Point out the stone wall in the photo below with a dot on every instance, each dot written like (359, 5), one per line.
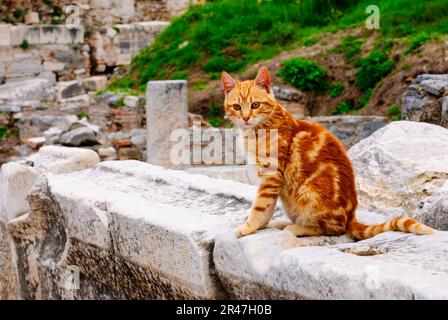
(115, 45)
(131, 230)
(54, 52)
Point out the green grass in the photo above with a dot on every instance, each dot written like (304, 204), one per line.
(417, 41)
(232, 34)
(343, 108)
(6, 132)
(304, 74)
(394, 112)
(225, 35)
(350, 46)
(82, 115)
(215, 116)
(24, 45)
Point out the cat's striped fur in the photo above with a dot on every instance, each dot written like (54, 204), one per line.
(314, 176)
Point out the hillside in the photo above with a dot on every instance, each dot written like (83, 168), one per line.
(363, 71)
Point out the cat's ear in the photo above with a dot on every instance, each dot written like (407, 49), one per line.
(263, 79)
(227, 82)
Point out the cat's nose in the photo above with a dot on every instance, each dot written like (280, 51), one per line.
(246, 119)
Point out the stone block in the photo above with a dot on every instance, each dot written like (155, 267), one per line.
(19, 177)
(166, 110)
(150, 227)
(32, 18)
(274, 264)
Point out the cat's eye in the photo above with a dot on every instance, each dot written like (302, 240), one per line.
(255, 105)
(236, 106)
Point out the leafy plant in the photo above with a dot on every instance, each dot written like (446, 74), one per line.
(365, 98)
(82, 115)
(199, 87)
(24, 44)
(371, 69)
(120, 103)
(55, 21)
(394, 112)
(336, 90)
(18, 13)
(6, 132)
(56, 11)
(343, 107)
(8, 19)
(304, 74)
(215, 116)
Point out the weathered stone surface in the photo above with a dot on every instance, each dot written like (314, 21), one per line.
(35, 89)
(35, 142)
(240, 173)
(95, 83)
(435, 87)
(132, 229)
(166, 110)
(36, 125)
(112, 46)
(81, 136)
(19, 177)
(274, 264)
(132, 101)
(52, 135)
(108, 153)
(287, 94)
(75, 105)
(351, 129)
(32, 17)
(422, 101)
(400, 165)
(68, 89)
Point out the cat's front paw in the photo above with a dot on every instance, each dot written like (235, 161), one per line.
(244, 230)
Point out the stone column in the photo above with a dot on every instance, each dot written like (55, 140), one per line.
(166, 110)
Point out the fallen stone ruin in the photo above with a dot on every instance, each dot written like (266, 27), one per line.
(130, 229)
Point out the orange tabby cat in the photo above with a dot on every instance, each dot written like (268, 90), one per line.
(313, 177)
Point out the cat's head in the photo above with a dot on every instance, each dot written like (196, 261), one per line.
(248, 103)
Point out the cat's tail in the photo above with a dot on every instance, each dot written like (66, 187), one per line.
(360, 231)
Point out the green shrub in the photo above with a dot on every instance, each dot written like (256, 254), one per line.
(304, 74)
(120, 103)
(6, 132)
(365, 98)
(56, 11)
(343, 107)
(18, 13)
(25, 44)
(55, 21)
(215, 116)
(336, 89)
(82, 115)
(371, 69)
(199, 87)
(8, 19)
(394, 112)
